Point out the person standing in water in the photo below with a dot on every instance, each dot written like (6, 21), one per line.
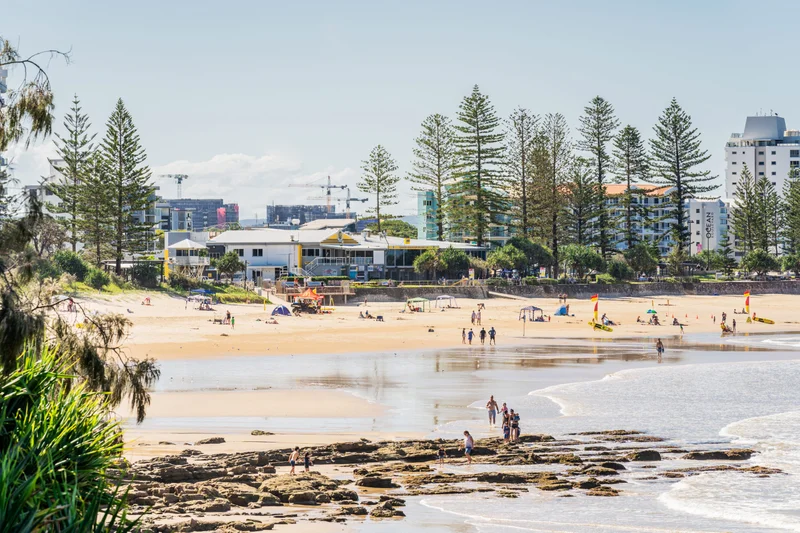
(470, 335)
(492, 334)
(659, 348)
(482, 335)
(492, 408)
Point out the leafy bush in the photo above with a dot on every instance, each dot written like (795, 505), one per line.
(47, 269)
(497, 282)
(606, 279)
(619, 269)
(96, 278)
(71, 263)
(145, 275)
(760, 262)
(530, 280)
(181, 282)
(548, 281)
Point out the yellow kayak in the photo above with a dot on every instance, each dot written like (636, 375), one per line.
(597, 325)
(764, 320)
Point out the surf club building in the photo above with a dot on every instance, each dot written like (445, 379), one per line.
(272, 253)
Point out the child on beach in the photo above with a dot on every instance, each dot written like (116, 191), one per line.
(463, 335)
(293, 457)
(469, 443)
(442, 455)
(233, 322)
(506, 431)
(307, 462)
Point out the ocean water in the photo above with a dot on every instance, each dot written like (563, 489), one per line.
(753, 404)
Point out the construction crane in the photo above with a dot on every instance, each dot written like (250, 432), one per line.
(327, 188)
(346, 200)
(178, 179)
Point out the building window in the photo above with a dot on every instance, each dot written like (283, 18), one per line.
(773, 152)
(760, 173)
(696, 210)
(733, 173)
(774, 173)
(773, 163)
(258, 252)
(239, 251)
(761, 163)
(761, 152)
(697, 233)
(794, 163)
(733, 162)
(734, 152)
(733, 183)
(794, 153)
(774, 183)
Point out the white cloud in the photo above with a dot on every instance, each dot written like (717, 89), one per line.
(250, 181)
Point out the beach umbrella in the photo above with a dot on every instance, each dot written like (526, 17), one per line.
(652, 312)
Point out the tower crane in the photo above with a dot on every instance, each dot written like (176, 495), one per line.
(178, 179)
(327, 188)
(346, 200)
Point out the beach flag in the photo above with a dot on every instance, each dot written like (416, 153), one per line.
(747, 302)
(595, 299)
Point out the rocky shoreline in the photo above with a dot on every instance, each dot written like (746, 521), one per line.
(193, 491)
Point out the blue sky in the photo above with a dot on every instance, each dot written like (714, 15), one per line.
(249, 96)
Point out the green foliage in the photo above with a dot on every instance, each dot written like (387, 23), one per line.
(791, 210)
(428, 262)
(629, 161)
(46, 268)
(508, 257)
(75, 149)
(145, 275)
(497, 282)
(585, 199)
(640, 258)
(597, 130)
(97, 278)
(581, 259)
(480, 266)
(434, 163)
(127, 179)
(675, 260)
(791, 262)
(727, 262)
(182, 283)
(57, 448)
(456, 262)
(606, 279)
(478, 187)
(395, 228)
(709, 260)
(71, 263)
(760, 262)
(537, 255)
(520, 139)
(619, 269)
(229, 264)
(379, 179)
(675, 154)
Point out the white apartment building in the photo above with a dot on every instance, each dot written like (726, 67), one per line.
(708, 222)
(767, 148)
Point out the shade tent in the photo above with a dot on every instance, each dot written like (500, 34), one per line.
(310, 294)
(418, 304)
(529, 313)
(446, 300)
(562, 311)
(281, 310)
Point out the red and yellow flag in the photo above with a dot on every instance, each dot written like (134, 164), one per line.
(747, 302)
(595, 299)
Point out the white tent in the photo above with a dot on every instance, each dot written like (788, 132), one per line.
(445, 300)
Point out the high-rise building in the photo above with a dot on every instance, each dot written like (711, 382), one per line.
(766, 147)
(282, 215)
(207, 212)
(426, 210)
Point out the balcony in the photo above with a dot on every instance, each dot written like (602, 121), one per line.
(192, 260)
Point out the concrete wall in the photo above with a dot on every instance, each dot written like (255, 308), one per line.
(401, 294)
(654, 289)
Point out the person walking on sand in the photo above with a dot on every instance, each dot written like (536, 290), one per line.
(463, 335)
(293, 458)
(482, 335)
(478, 317)
(233, 322)
(492, 408)
(473, 318)
(227, 317)
(441, 455)
(492, 334)
(307, 462)
(733, 323)
(469, 443)
(470, 335)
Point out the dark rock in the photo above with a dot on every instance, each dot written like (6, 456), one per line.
(611, 465)
(726, 455)
(603, 491)
(352, 511)
(261, 433)
(598, 471)
(500, 477)
(376, 482)
(305, 497)
(644, 455)
(590, 483)
(211, 440)
(343, 494)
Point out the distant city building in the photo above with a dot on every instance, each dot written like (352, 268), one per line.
(282, 215)
(426, 211)
(767, 148)
(708, 223)
(206, 212)
(3, 81)
(498, 233)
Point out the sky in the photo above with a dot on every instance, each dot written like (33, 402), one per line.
(247, 97)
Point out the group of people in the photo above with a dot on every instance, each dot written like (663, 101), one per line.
(294, 458)
(229, 319)
(467, 336)
(509, 419)
(724, 325)
(476, 317)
